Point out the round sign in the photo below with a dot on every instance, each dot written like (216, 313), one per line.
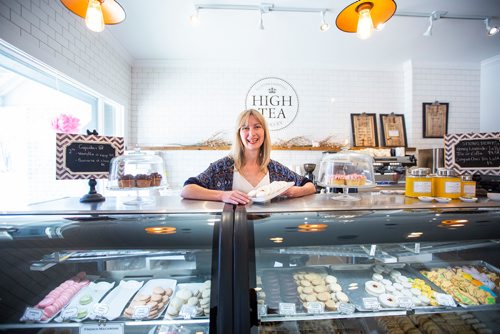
(276, 100)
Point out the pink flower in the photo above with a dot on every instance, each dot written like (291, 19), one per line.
(66, 124)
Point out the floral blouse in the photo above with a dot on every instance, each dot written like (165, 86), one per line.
(219, 175)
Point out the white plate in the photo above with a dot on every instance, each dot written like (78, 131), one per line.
(95, 290)
(426, 199)
(494, 196)
(468, 199)
(163, 283)
(115, 301)
(272, 195)
(442, 199)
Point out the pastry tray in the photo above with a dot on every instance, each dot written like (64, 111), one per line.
(445, 264)
(191, 286)
(360, 273)
(273, 194)
(116, 300)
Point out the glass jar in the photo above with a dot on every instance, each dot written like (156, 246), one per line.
(468, 186)
(418, 183)
(447, 184)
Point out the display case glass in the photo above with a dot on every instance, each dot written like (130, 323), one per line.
(68, 267)
(386, 264)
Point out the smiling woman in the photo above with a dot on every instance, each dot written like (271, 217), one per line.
(248, 167)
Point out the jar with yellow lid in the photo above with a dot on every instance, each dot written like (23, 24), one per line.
(447, 184)
(418, 183)
(468, 186)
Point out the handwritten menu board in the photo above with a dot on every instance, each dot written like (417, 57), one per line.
(473, 153)
(85, 156)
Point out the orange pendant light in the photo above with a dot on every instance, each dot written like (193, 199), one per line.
(362, 16)
(96, 13)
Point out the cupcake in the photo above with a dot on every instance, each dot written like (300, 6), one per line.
(155, 179)
(126, 181)
(355, 180)
(142, 180)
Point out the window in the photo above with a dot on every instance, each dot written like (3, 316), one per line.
(31, 97)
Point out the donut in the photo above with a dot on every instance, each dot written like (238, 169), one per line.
(394, 274)
(386, 282)
(374, 288)
(398, 286)
(406, 285)
(389, 288)
(387, 300)
(377, 277)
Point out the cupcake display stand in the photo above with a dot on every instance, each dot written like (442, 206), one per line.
(346, 170)
(137, 172)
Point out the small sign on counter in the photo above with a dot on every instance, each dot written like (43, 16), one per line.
(473, 153)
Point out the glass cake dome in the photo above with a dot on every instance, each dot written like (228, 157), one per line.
(346, 169)
(136, 170)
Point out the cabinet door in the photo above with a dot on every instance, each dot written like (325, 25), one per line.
(322, 270)
(140, 273)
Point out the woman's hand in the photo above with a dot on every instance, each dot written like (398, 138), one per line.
(235, 197)
(295, 191)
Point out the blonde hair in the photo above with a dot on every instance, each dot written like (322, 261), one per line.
(238, 149)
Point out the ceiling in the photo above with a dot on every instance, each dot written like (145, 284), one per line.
(160, 30)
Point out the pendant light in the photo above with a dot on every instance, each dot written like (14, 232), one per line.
(362, 16)
(96, 13)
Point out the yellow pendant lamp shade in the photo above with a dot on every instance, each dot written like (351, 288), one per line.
(380, 12)
(112, 12)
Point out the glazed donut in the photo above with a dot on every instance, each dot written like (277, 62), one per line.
(374, 288)
(387, 300)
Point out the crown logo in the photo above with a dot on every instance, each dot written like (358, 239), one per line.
(272, 90)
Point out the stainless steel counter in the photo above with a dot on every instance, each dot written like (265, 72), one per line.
(175, 204)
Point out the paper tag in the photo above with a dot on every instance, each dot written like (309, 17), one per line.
(69, 313)
(373, 248)
(346, 308)
(445, 300)
(417, 248)
(371, 303)
(405, 302)
(287, 309)
(188, 312)
(262, 309)
(100, 310)
(141, 312)
(393, 133)
(315, 307)
(32, 314)
(108, 328)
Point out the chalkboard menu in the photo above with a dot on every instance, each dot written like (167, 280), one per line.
(85, 156)
(473, 153)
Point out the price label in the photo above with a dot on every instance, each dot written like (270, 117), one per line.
(405, 302)
(417, 248)
(69, 313)
(188, 312)
(346, 308)
(287, 309)
(371, 303)
(32, 314)
(100, 310)
(140, 312)
(107, 328)
(373, 249)
(315, 307)
(262, 310)
(445, 300)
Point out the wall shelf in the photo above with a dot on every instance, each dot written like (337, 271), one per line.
(275, 148)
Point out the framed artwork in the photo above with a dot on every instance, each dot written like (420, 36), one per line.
(435, 119)
(393, 130)
(364, 130)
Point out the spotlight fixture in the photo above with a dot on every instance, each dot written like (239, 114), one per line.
(96, 13)
(195, 18)
(323, 26)
(362, 16)
(428, 32)
(491, 31)
(261, 20)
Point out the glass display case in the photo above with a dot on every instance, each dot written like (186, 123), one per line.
(69, 267)
(387, 264)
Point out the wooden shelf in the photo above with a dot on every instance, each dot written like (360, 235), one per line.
(226, 148)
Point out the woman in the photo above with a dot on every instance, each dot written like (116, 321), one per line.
(248, 167)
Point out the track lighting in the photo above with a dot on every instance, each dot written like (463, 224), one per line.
(96, 13)
(323, 26)
(432, 18)
(491, 31)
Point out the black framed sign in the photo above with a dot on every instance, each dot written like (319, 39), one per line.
(435, 119)
(364, 130)
(393, 130)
